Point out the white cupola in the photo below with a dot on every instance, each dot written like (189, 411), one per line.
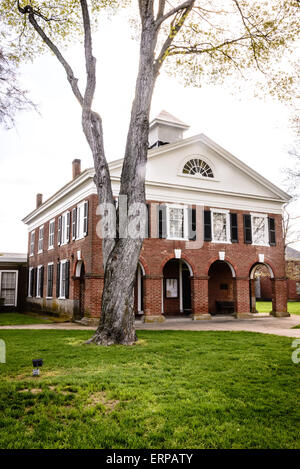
(164, 129)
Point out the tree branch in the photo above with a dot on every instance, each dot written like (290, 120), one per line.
(175, 27)
(70, 75)
(172, 12)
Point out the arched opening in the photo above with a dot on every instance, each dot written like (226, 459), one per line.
(177, 288)
(79, 291)
(261, 287)
(139, 291)
(221, 295)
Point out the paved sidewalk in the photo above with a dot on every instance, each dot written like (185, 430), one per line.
(259, 323)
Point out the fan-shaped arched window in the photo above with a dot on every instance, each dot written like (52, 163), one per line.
(198, 167)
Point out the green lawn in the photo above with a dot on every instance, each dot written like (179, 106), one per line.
(266, 307)
(174, 389)
(13, 319)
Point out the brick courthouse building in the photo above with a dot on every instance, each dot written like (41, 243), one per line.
(193, 182)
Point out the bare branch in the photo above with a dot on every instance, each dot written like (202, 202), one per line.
(70, 75)
(172, 12)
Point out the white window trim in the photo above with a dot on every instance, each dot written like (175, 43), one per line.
(227, 212)
(52, 246)
(31, 253)
(185, 221)
(81, 206)
(38, 281)
(266, 240)
(60, 279)
(16, 289)
(49, 297)
(29, 277)
(41, 239)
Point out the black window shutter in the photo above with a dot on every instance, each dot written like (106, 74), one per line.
(147, 229)
(207, 225)
(162, 221)
(58, 280)
(41, 279)
(247, 229)
(192, 224)
(272, 231)
(68, 226)
(85, 218)
(234, 228)
(59, 231)
(74, 223)
(31, 282)
(67, 277)
(34, 281)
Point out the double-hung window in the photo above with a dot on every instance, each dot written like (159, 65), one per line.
(63, 280)
(50, 280)
(40, 281)
(41, 239)
(51, 234)
(177, 222)
(259, 223)
(82, 220)
(32, 241)
(9, 287)
(220, 226)
(64, 228)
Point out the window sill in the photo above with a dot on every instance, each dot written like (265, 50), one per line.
(176, 239)
(50, 248)
(261, 245)
(40, 252)
(220, 242)
(49, 297)
(61, 298)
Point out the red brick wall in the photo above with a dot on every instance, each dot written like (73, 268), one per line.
(154, 255)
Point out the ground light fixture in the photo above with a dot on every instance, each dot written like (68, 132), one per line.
(37, 363)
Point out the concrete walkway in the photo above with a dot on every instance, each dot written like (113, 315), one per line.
(259, 323)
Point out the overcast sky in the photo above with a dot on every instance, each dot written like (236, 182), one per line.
(36, 156)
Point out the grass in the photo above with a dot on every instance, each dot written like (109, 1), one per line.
(266, 307)
(13, 319)
(174, 389)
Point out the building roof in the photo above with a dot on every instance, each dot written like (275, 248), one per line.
(165, 117)
(292, 254)
(13, 257)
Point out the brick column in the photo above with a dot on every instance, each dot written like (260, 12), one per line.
(279, 297)
(253, 296)
(199, 287)
(153, 299)
(241, 287)
(92, 298)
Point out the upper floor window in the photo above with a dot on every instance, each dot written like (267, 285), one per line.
(177, 227)
(41, 239)
(198, 167)
(220, 226)
(81, 220)
(51, 234)
(64, 228)
(32, 240)
(259, 229)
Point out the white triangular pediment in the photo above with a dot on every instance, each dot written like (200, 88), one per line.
(231, 176)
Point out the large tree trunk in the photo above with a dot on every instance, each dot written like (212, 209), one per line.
(117, 310)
